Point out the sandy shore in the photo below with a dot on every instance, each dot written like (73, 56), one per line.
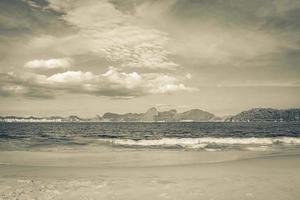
(148, 174)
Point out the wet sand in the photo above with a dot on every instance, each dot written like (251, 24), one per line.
(112, 173)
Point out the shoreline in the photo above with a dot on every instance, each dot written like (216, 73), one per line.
(154, 174)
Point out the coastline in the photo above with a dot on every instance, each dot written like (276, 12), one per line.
(113, 173)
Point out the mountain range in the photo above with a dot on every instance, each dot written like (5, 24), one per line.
(153, 115)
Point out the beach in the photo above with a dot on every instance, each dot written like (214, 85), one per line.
(149, 100)
(133, 173)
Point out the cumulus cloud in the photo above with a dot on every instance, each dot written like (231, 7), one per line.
(129, 80)
(71, 77)
(12, 84)
(162, 84)
(112, 83)
(49, 64)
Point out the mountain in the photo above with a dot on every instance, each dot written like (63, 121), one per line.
(153, 115)
(112, 117)
(196, 115)
(150, 115)
(73, 118)
(165, 116)
(128, 117)
(97, 118)
(131, 117)
(266, 114)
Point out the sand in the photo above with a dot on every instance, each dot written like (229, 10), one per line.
(116, 173)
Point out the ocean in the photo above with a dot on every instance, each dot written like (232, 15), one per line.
(186, 160)
(199, 136)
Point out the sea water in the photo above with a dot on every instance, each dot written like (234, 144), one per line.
(208, 136)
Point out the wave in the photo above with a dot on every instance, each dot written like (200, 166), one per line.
(207, 143)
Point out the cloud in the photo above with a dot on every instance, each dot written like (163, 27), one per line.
(111, 34)
(71, 77)
(210, 33)
(31, 3)
(226, 33)
(232, 84)
(12, 85)
(49, 64)
(129, 80)
(164, 84)
(112, 83)
(188, 76)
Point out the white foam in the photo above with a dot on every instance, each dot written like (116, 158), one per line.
(203, 142)
(258, 148)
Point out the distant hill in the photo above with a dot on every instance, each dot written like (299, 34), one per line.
(153, 115)
(150, 115)
(167, 116)
(131, 117)
(266, 114)
(197, 115)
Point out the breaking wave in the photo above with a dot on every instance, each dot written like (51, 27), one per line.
(207, 143)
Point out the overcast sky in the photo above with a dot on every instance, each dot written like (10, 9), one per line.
(63, 57)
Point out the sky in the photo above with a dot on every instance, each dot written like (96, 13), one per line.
(85, 58)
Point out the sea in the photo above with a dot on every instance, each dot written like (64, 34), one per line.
(193, 136)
